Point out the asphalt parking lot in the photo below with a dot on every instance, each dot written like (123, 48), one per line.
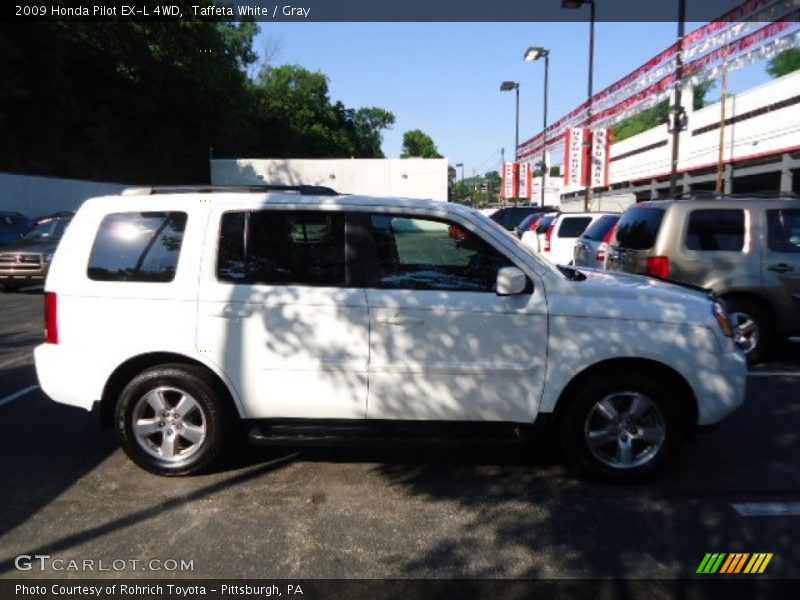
(68, 491)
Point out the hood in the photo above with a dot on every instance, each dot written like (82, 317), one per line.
(32, 246)
(607, 294)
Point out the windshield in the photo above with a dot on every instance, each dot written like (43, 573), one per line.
(50, 229)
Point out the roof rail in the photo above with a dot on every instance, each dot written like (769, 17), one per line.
(306, 190)
(712, 195)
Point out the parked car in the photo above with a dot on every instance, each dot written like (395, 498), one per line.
(511, 216)
(13, 226)
(26, 261)
(534, 236)
(558, 242)
(307, 317)
(591, 249)
(526, 224)
(745, 250)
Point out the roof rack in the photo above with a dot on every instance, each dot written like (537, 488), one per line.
(712, 195)
(306, 190)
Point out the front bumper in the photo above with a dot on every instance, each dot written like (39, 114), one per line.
(720, 383)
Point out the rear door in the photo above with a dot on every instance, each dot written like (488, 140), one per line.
(781, 265)
(443, 344)
(278, 315)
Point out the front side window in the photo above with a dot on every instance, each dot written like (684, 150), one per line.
(427, 254)
(282, 247)
(783, 230)
(716, 230)
(137, 246)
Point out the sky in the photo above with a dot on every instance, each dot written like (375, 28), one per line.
(444, 78)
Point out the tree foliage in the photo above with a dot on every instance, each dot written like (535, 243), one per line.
(784, 62)
(146, 102)
(419, 144)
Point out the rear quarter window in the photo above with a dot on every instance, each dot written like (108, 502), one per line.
(573, 227)
(638, 228)
(137, 247)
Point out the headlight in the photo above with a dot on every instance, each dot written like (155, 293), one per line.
(721, 315)
(48, 257)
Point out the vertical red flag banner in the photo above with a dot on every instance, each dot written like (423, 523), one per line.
(601, 142)
(525, 173)
(510, 181)
(574, 159)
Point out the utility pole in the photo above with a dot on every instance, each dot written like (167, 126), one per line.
(677, 110)
(722, 116)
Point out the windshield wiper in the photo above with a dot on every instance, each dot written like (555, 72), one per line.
(571, 273)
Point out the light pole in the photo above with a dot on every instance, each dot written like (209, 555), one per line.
(507, 86)
(535, 53)
(678, 114)
(461, 164)
(578, 4)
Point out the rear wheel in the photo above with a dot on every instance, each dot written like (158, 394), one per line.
(171, 421)
(752, 328)
(623, 427)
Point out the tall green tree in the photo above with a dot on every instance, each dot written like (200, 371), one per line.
(416, 143)
(784, 62)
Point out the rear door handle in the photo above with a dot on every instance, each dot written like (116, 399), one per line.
(398, 320)
(781, 268)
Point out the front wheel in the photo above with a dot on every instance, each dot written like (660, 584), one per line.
(171, 421)
(623, 428)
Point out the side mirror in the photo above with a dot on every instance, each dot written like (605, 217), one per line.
(510, 281)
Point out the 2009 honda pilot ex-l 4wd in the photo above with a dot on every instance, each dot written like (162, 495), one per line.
(180, 317)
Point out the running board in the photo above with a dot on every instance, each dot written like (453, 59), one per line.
(332, 433)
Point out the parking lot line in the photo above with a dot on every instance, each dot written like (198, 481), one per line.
(14, 360)
(767, 509)
(18, 394)
(774, 374)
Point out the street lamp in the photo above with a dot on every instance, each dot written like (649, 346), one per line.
(531, 54)
(507, 86)
(461, 164)
(578, 4)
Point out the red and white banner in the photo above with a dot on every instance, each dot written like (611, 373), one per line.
(510, 184)
(573, 157)
(536, 190)
(741, 36)
(598, 171)
(525, 174)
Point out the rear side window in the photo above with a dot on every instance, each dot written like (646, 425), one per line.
(428, 254)
(716, 230)
(638, 228)
(544, 223)
(137, 246)
(282, 247)
(573, 227)
(783, 230)
(598, 230)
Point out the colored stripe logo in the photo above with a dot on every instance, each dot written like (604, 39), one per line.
(734, 563)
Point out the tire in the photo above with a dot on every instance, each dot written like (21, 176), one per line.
(187, 431)
(625, 448)
(752, 327)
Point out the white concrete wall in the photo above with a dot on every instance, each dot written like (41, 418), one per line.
(765, 134)
(401, 177)
(35, 196)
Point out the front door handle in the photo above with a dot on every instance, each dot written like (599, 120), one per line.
(781, 268)
(398, 320)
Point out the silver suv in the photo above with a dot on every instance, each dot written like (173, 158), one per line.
(746, 250)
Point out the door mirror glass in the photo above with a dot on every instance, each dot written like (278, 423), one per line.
(510, 281)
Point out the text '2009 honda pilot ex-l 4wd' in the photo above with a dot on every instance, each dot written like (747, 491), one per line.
(309, 316)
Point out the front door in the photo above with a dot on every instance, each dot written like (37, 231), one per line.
(443, 344)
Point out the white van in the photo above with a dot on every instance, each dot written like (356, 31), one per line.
(558, 245)
(180, 315)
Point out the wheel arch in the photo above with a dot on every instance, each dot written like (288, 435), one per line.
(129, 369)
(659, 370)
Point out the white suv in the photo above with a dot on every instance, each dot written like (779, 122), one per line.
(308, 317)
